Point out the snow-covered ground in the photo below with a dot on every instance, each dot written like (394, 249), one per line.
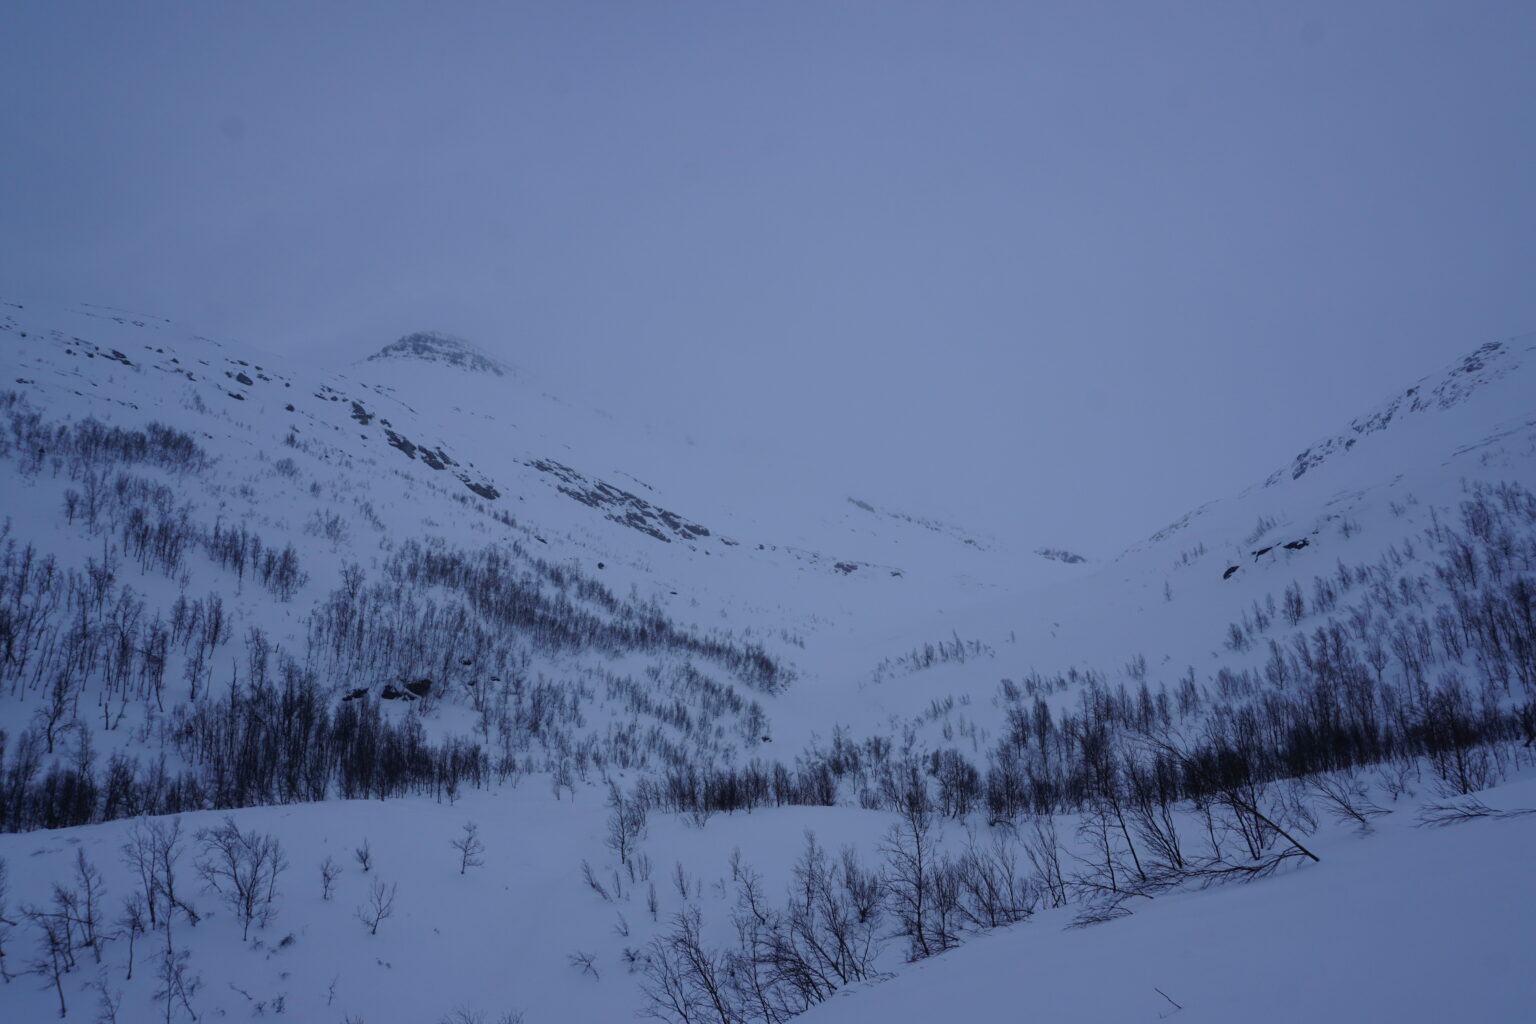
(1408, 924)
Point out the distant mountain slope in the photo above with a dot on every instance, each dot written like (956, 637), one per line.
(1466, 382)
(415, 472)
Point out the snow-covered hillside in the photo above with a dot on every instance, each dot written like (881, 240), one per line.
(367, 605)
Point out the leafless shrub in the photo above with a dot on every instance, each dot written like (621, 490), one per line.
(132, 923)
(1222, 872)
(585, 962)
(177, 982)
(1396, 776)
(993, 888)
(912, 874)
(1460, 812)
(54, 957)
(595, 884)
(1260, 528)
(680, 880)
(243, 868)
(626, 825)
(1347, 798)
(684, 982)
(1102, 912)
(152, 851)
(1043, 849)
(470, 847)
(329, 872)
(380, 905)
(108, 999)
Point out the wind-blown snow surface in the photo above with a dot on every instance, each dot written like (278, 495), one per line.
(885, 622)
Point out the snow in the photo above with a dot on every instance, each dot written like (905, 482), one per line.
(1407, 924)
(497, 938)
(1404, 924)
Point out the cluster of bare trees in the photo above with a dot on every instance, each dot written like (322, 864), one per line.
(239, 866)
(36, 444)
(84, 645)
(1356, 690)
(63, 630)
(69, 924)
(1130, 844)
(155, 529)
(1377, 683)
(1464, 603)
(501, 603)
(930, 654)
(242, 867)
(240, 549)
(833, 925)
(785, 959)
(281, 743)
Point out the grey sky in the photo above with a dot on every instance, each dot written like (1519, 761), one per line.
(1058, 269)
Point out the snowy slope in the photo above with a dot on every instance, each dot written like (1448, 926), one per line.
(1405, 925)
(415, 445)
(1350, 497)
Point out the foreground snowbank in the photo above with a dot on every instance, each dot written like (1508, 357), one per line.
(1408, 924)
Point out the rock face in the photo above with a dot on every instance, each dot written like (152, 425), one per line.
(620, 505)
(435, 347)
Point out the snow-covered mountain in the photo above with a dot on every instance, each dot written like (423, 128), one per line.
(231, 584)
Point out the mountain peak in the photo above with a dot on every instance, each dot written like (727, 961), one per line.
(437, 347)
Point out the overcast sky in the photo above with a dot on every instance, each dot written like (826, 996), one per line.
(1064, 270)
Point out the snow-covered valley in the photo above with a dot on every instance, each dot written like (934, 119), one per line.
(365, 607)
